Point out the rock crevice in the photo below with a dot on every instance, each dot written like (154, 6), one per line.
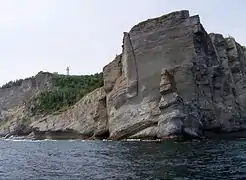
(188, 81)
(172, 80)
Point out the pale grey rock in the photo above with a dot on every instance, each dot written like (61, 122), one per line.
(111, 73)
(144, 95)
(148, 133)
(171, 66)
(228, 109)
(86, 119)
(14, 122)
(172, 79)
(167, 84)
(168, 100)
(21, 94)
(171, 124)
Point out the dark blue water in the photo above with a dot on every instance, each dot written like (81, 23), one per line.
(122, 160)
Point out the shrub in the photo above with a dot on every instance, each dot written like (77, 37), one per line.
(67, 91)
(12, 84)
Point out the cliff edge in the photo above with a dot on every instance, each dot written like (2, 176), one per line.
(175, 80)
(172, 80)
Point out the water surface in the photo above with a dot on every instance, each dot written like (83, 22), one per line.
(65, 160)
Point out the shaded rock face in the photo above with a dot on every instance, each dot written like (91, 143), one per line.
(175, 80)
(20, 94)
(13, 119)
(111, 73)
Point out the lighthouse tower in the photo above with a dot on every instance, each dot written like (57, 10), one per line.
(67, 71)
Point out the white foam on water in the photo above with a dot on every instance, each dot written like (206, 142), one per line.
(132, 140)
(22, 139)
(72, 140)
(144, 140)
(156, 140)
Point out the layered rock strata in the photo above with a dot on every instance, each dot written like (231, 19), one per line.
(172, 80)
(176, 80)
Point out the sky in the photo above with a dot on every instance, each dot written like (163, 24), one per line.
(49, 35)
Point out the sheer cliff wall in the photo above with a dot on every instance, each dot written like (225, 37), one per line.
(175, 80)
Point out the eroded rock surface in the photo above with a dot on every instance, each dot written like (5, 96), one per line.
(86, 119)
(172, 80)
(20, 94)
(176, 81)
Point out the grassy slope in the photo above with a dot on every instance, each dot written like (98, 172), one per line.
(66, 92)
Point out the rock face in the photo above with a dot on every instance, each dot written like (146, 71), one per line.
(86, 119)
(172, 80)
(20, 94)
(175, 81)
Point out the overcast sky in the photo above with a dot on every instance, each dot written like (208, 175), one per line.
(49, 35)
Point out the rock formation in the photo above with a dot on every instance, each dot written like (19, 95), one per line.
(176, 80)
(172, 80)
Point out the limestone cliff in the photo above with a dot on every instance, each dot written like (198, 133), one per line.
(86, 119)
(44, 106)
(21, 92)
(172, 80)
(175, 81)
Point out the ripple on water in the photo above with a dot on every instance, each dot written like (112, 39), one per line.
(76, 159)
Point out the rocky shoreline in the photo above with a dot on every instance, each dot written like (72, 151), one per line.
(172, 80)
(67, 136)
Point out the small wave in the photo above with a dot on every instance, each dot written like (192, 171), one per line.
(144, 140)
(23, 139)
(48, 140)
(132, 140)
(151, 140)
(72, 140)
(86, 140)
(20, 140)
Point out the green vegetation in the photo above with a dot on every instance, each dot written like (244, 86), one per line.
(66, 92)
(12, 83)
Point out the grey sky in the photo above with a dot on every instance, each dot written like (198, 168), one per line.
(85, 35)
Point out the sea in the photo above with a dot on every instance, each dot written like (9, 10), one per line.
(126, 160)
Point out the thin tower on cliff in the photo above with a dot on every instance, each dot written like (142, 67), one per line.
(67, 71)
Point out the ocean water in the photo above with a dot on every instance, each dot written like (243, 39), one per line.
(64, 160)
